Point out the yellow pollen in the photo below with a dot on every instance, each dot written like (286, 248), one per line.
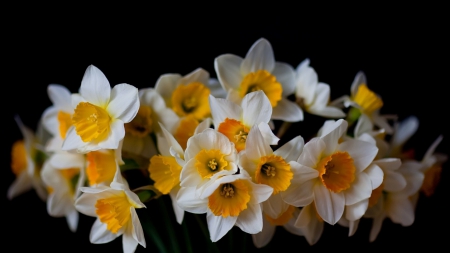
(101, 166)
(367, 99)
(186, 129)
(265, 81)
(337, 171)
(235, 131)
(230, 199)
(18, 157)
(141, 125)
(210, 162)
(92, 123)
(191, 99)
(283, 218)
(65, 122)
(114, 211)
(227, 191)
(274, 171)
(165, 172)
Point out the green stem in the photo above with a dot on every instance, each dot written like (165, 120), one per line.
(170, 225)
(151, 231)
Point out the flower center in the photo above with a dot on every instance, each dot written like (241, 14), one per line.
(209, 162)
(367, 99)
(235, 131)
(18, 157)
(65, 122)
(141, 125)
(230, 199)
(114, 212)
(185, 130)
(337, 171)
(91, 122)
(274, 171)
(101, 166)
(262, 80)
(283, 218)
(165, 172)
(191, 99)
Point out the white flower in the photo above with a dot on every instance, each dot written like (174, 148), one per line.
(235, 121)
(259, 71)
(100, 113)
(227, 200)
(114, 207)
(334, 174)
(312, 95)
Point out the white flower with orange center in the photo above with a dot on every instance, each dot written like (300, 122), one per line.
(207, 153)
(314, 96)
(235, 121)
(188, 95)
(138, 131)
(259, 71)
(275, 169)
(227, 200)
(333, 174)
(115, 209)
(63, 174)
(26, 164)
(100, 113)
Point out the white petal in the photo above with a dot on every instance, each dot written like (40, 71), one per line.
(285, 75)
(256, 108)
(256, 145)
(179, 212)
(260, 193)
(116, 134)
(305, 216)
(172, 142)
(137, 232)
(85, 204)
(300, 192)
(50, 120)
(262, 238)
(360, 189)
(129, 244)
(198, 75)
(382, 122)
(400, 209)
(58, 204)
(328, 112)
(329, 205)
(95, 88)
(189, 176)
(267, 133)
(72, 141)
(76, 98)
(228, 71)
(20, 185)
(205, 124)
(404, 131)
(353, 226)
(222, 109)
(394, 181)
(259, 57)
(375, 174)
(216, 88)
(166, 84)
(60, 97)
(361, 152)
(219, 226)
(67, 160)
(250, 220)
(331, 134)
(100, 234)
(360, 78)
(322, 96)
(72, 220)
(311, 227)
(124, 102)
(432, 148)
(311, 152)
(287, 110)
(376, 227)
(275, 206)
(356, 211)
(291, 150)
(187, 199)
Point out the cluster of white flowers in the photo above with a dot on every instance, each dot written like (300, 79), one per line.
(212, 146)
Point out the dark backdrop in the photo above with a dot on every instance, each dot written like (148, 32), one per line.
(405, 61)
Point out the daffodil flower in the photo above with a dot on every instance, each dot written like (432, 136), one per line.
(100, 113)
(259, 71)
(273, 168)
(63, 174)
(334, 174)
(227, 200)
(432, 167)
(26, 163)
(188, 95)
(314, 96)
(235, 121)
(115, 209)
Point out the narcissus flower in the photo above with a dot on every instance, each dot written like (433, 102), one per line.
(259, 71)
(227, 200)
(432, 168)
(100, 113)
(115, 209)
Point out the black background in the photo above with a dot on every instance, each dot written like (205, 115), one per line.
(405, 59)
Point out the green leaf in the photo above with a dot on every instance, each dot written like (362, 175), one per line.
(129, 164)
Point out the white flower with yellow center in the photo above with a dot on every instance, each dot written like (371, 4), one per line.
(312, 95)
(339, 172)
(227, 200)
(100, 113)
(115, 209)
(259, 71)
(207, 153)
(63, 174)
(188, 95)
(275, 169)
(26, 164)
(138, 131)
(235, 121)
(286, 220)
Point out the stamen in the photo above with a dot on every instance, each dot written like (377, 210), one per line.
(235, 131)
(209, 162)
(265, 81)
(212, 164)
(227, 191)
(191, 99)
(189, 104)
(241, 137)
(268, 170)
(337, 171)
(141, 125)
(275, 172)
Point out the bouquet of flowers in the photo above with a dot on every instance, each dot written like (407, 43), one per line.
(224, 147)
